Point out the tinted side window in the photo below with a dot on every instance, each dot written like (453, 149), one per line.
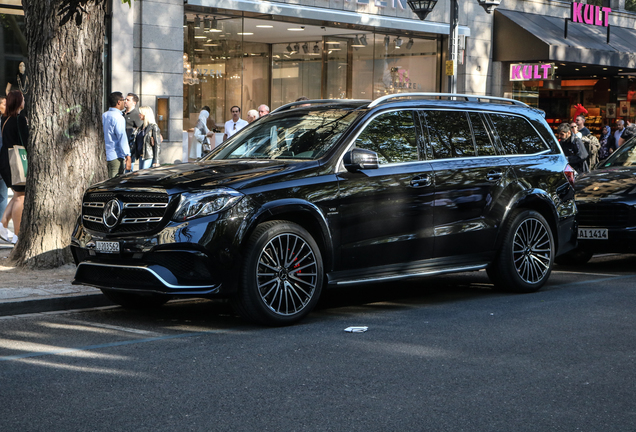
(448, 133)
(392, 136)
(517, 135)
(483, 143)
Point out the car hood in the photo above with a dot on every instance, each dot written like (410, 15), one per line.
(202, 174)
(607, 184)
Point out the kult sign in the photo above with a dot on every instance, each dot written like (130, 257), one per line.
(590, 14)
(530, 71)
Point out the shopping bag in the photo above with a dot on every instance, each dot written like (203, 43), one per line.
(18, 165)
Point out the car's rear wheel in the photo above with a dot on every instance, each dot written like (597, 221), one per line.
(526, 255)
(136, 301)
(282, 274)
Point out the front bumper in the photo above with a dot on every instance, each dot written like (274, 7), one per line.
(194, 258)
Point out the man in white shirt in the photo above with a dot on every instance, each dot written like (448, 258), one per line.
(234, 125)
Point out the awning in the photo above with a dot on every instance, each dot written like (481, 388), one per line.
(525, 37)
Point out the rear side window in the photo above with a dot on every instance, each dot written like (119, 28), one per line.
(483, 142)
(448, 133)
(392, 136)
(516, 134)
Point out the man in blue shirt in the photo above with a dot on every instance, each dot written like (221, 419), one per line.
(117, 149)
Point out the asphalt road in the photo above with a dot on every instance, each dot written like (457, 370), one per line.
(443, 354)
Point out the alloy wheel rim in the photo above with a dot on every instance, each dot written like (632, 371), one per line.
(287, 274)
(532, 251)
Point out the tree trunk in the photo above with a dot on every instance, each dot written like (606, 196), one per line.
(66, 145)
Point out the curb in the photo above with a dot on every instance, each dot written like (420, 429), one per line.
(51, 304)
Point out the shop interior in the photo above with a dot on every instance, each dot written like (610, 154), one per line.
(607, 93)
(252, 61)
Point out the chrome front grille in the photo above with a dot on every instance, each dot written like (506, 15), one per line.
(138, 212)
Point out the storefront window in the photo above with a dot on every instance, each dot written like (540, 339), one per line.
(404, 65)
(14, 52)
(235, 61)
(295, 72)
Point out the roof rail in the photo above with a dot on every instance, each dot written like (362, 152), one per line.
(318, 101)
(469, 98)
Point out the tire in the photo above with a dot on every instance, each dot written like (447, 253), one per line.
(577, 256)
(525, 257)
(136, 301)
(282, 275)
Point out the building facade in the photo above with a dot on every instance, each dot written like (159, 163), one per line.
(180, 56)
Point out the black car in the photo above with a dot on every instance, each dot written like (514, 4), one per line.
(334, 193)
(606, 201)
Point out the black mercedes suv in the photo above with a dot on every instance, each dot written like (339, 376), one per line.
(330, 193)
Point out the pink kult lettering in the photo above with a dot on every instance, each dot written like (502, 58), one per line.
(606, 12)
(588, 14)
(527, 72)
(516, 72)
(546, 68)
(577, 8)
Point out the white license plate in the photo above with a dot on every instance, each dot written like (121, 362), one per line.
(593, 233)
(107, 247)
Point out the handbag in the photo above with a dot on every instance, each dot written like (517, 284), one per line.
(18, 163)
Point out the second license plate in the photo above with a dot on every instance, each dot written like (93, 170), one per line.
(593, 233)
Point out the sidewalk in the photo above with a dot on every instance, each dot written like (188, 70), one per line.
(34, 291)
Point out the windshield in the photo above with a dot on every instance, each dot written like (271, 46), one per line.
(303, 135)
(624, 156)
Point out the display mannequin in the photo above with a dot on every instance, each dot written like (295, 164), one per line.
(22, 79)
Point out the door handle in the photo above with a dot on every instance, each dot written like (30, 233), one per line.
(423, 180)
(494, 176)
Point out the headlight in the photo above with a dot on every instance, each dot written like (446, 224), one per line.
(199, 204)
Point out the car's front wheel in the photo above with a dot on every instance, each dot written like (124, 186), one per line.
(282, 274)
(526, 255)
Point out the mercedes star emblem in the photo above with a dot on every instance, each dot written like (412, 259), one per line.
(112, 212)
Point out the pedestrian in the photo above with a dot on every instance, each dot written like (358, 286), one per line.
(4, 191)
(300, 99)
(620, 127)
(15, 132)
(235, 124)
(575, 130)
(263, 110)
(201, 131)
(133, 124)
(628, 133)
(580, 122)
(149, 137)
(117, 147)
(252, 115)
(608, 143)
(573, 148)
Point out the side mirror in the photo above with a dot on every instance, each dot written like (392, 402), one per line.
(360, 159)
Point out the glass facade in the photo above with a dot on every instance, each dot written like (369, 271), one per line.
(13, 51)
(235, 61)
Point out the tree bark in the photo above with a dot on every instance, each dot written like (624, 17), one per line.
(66, 145)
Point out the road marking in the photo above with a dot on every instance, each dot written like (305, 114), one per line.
(110, 345)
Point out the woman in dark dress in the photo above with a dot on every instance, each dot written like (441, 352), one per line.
(15, 131)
